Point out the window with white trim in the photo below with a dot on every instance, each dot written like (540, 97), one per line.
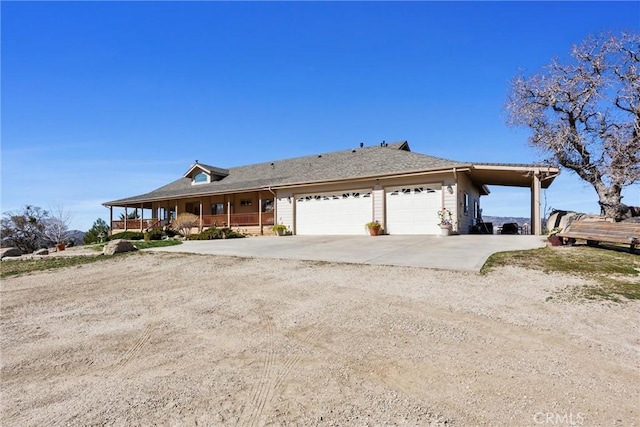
(466, 204)
(200, 178)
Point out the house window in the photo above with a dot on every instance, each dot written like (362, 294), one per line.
(246, 202)
(200, 178)
(217, 209)
(267, 205)
(466, 204)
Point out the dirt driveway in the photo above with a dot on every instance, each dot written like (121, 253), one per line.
(172, 339)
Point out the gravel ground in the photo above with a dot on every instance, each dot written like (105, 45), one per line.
(173, 339)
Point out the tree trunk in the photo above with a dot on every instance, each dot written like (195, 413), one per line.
(610, 201)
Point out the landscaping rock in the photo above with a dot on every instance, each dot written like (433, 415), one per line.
(10, 252)
(43, 251)
(117, 246)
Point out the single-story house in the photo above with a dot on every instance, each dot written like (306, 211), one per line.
(335, 193)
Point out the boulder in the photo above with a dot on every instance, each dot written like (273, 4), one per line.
(43, 251)
(10, 252)
(117, 246)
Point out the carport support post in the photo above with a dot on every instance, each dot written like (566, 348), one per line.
(126, 215)
(536, 220)
(110, 220)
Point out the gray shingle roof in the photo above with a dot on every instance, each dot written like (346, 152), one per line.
(392, 158)
(213, 170)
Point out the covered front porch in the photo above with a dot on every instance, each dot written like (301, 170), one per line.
(252, 211)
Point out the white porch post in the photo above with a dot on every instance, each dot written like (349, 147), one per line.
(260, 212)
(228, 212)
(200, 214)
(536, 220)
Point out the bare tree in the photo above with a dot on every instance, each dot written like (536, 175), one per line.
(57, 225)
(24, 230)
(586, 115)
(184, 223)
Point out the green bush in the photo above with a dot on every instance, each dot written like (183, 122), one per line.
(214, 232)
(127, 235)
(99, 228)
(154, 234)
(170, 232)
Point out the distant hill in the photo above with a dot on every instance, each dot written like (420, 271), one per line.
(76, 236)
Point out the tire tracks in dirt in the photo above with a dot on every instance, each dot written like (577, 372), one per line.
(272, 379)
(135, 350)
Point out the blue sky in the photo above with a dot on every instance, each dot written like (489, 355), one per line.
(105, 100)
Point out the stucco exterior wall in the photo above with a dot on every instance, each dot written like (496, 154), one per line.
(450, 200)
(466, 218)
(285, 208)
(378, 204)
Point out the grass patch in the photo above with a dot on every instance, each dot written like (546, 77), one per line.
(25, 266)
(143, 244)
(20, 267)
(616, 273)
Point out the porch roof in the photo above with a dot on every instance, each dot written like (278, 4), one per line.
(359, 163)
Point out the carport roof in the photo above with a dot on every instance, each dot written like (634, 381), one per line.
(364, 162)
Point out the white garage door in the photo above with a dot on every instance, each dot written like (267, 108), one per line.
(333, 213)
(413, 209)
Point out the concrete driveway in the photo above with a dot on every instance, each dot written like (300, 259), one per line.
(464, 253)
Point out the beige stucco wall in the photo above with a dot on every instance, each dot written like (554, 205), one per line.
(285, 208)
(466, 219)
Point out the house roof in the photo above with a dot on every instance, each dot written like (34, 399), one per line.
(211, 170)
(362, 162)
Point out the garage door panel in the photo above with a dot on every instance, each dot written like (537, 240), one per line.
(413, 209)
(333, 213)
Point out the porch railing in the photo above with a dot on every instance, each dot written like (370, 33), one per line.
(237, 220)
(134, 224)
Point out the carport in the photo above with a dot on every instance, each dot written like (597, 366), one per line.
(534, 177)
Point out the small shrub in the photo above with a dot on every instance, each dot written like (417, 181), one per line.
(128, 235)
(154, 234)
(231, 234)
(170, 232)
(184, 222)
(214, 232)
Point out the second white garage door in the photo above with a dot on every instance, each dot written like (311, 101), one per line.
(333, 213)
(413, 209)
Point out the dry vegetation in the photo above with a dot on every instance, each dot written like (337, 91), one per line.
(615, 272)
